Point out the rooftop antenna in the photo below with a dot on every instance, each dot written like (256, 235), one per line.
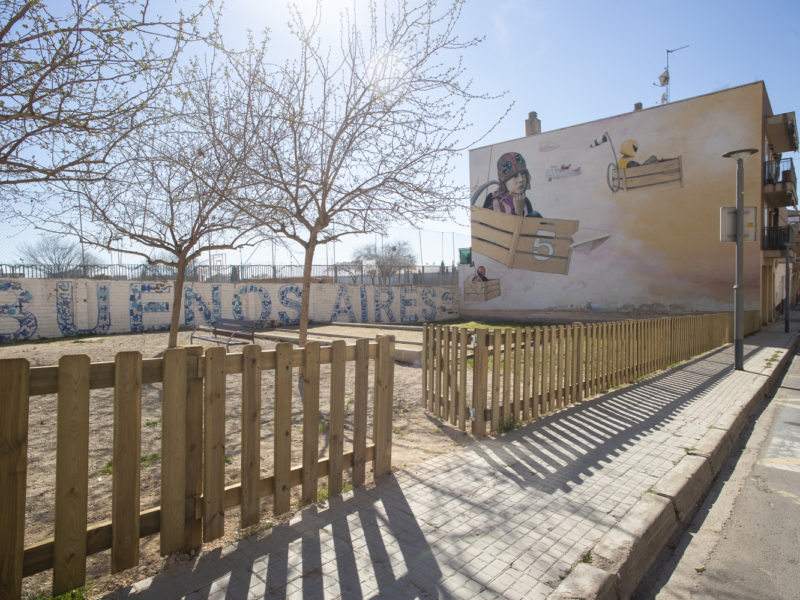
(663, 79)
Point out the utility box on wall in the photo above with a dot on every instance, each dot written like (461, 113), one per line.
(727, 224)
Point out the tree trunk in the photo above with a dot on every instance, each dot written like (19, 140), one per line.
(177, 297)
(305, 300)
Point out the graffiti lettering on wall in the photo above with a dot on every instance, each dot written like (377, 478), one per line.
(65, 310)
(87, 308)
(23, 323)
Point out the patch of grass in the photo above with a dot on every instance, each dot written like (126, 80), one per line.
(506, 427)
(148, 459)
(152, 423)
(499, 324)
(228, 460)
(324, 426)
(399, 431)
(322, 493)
(689, 449)
(81, 593)
(587, 558)
(107, 469)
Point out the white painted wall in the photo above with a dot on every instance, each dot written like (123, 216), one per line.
(44, 308)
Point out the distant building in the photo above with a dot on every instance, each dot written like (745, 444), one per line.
(623, 214)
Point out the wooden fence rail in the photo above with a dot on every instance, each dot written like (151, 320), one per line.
(526, 373)
(193, 492)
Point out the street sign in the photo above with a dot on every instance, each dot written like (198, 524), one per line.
(727, 224)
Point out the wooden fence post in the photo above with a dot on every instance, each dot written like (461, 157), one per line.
(72, 474)
(283, 427)
(462, 384)
(360, 394)
(452, 407)
(508, 362)
(526, 378)
(336, 429)
(14, 381)
(310, 374)
(580, 350)
(569, 366)
(444, 404)
(126, 471)
(480, 379)
(426, 342)
(437, 371)
(384, 392)
(561, 372)
(250, 467)
(193, 530)
(497, 344)
(552, 402)
(214, 445)
(173, 451)
(517, 406)
(536, 379)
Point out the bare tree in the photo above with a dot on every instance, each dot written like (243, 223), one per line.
(56, 254)
(362, 134)
(171, 194)
(76, 78)
(389, 260)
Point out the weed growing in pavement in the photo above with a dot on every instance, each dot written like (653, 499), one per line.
(773, 359)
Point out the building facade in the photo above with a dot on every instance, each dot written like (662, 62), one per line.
(623, 214)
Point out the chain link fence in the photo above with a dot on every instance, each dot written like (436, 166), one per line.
(353, 274)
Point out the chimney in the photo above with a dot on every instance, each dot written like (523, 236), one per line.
(533, 126)
(637, 106)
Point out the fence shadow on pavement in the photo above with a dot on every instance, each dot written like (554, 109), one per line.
(564, 448)
(323, 546)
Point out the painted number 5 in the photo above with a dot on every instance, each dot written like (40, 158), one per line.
(543, 249)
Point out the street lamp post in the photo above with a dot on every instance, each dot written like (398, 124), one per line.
(738, 303)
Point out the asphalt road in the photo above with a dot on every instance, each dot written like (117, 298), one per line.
(744, 543)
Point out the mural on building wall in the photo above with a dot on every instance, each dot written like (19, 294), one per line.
(39, 308)
(627, 211)
(509, 229)
(629, 172)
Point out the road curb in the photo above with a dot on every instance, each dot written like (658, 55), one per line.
(625, 553)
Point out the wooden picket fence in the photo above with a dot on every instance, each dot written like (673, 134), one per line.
(193, 492)
(526, 373)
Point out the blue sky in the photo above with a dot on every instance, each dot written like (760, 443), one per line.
(577, 61)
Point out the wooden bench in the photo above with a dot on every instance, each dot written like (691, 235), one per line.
(228, 332)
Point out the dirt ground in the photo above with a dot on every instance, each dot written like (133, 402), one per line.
(416, 436)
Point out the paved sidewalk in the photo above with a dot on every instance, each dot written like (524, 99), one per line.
(575, 505)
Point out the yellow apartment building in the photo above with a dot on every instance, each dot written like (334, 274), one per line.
(623, 214)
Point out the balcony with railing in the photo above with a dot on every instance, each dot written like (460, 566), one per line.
(776, 239)
(780, 183)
